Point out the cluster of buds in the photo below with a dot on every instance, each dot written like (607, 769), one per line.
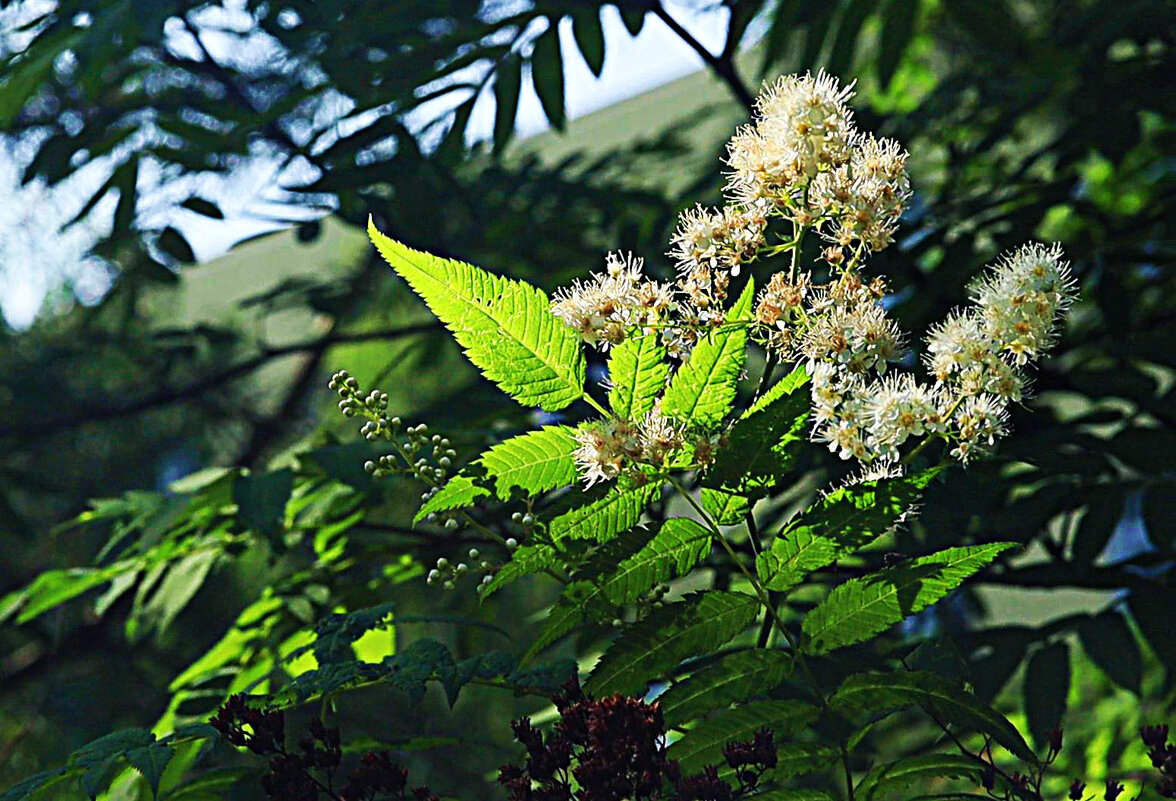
(609, 306)
(448, 574)
(614, 748)
(427, 457)
(290, 778)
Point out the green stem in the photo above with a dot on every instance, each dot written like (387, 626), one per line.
(770, 608)
(595, 404)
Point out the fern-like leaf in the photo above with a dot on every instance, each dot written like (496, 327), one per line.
(533, 462)
(458, 493)
(703, 389)
(869, 694)
(678, 546)
(839, 524)
(763, 445)
(505, 327)
(606, 517)
(525, 561)
(736, 677)
(863, 607)
(637, 370)
(900, 774)
(704, 744)
(698, 624)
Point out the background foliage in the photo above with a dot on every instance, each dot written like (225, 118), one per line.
(1027, 119)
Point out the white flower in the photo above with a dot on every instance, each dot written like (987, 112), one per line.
(1021, 298)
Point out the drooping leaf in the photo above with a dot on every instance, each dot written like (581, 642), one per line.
(898, 775)
(589, 36)
(1108, 641)
(606, 517)
(898, 27)
(505, 326)
(869, 694)
(533, 462)
(697, 624)
(863, 607)
(1149, 608)
(183, 580)
(637, 372)
(704, 744)
(261, 499)
(335, 633)
(798, 759)
(736, 677)
(1047, 683)
(458, 493)
(838, 525)
(507, 87)
(547, 74)
(703, 389)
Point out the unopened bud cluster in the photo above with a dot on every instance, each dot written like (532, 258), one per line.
(428, 457)
(447, 574)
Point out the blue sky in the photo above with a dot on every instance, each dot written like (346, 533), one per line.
(35, 268)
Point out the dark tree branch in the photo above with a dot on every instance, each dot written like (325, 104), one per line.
(168, 397)
(722, 66)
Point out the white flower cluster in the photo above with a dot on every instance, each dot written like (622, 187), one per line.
(606, 308)
(803, 127)
(802, 162)
(803, 159)
(610, 446)
(974, 356)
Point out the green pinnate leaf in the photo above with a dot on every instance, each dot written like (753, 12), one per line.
(505, 326)
(736, 677)
(765, 442)
(838, 525)
(150, 761)
(727, 508)
(580, 601)
(261, 499)
(872, 694)
(698, 624)
(795, 795)
(703, 389)
(606, 517)
(677, 547)
(904, 772)
(703, 745)
(533, 462)
(866, 606)
(637, 373)
(525, 561)
(458, 493)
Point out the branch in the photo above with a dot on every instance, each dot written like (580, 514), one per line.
(722, 66)
(167, 397)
